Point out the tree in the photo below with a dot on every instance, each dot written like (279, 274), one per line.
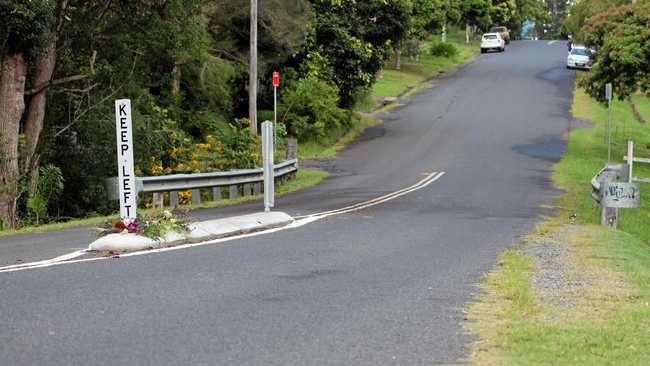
(353, 39)
(49, 45)
(621, 36)
(23, 26)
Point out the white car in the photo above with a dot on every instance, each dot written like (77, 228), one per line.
(492, 41)
(579, 58)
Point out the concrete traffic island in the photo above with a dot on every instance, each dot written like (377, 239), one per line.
(197, 232)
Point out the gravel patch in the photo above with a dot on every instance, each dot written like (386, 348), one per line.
(555, 280)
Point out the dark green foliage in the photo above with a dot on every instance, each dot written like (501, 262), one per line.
(622, 38)
(309, 109)
(448, 50)
(24, 24)
(239, 147)
(49, 187)
(352, 39)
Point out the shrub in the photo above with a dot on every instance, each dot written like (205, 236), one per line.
(443, 49)
(309, 109)
(48, 188)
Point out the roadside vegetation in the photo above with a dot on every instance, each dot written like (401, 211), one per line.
(575, 293)
(306, 177)
(420, 64)
(184, 64)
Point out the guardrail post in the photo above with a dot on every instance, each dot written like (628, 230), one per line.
(292, 148)
(216, 193)
(247, 189)
(173, 198)
(196, 196)
(232, 192)
(257, 189)
(158, 199)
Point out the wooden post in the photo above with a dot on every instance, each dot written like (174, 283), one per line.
(173, 199)
(158, 200)
(216, 193)
(630, 160)
(247, 189)
(292, 148)
(609, 217)
(196, 196)
(252, 78)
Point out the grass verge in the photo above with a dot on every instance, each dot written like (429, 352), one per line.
(329, 146)
(606, 321)
(413, 74)
(408, 79)
(595, 308)
(306, 177)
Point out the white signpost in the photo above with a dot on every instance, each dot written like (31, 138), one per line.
(269, 173)
(126, 172)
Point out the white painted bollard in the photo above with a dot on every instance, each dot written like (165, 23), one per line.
(267, 156)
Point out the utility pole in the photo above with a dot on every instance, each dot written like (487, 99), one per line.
(252, 79)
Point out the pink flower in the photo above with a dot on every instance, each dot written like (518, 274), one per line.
(133, 227)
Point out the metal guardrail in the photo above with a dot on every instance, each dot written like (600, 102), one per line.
(613, 188)
(244, 181)
(610, 173)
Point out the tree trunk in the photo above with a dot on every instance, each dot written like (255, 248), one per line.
(466, 33)
(176, 79)
(443, 37)
(252, 81)
(398, 59)
(36, 113)
(12, 106)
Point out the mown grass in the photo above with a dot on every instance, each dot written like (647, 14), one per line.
(587, 154)
(605, 330)
(306, 177)
(610, 321)
(396, 82)
(328, 146)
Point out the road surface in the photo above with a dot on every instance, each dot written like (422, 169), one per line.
(381, 286)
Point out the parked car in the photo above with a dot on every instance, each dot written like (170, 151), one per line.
(579, 58)
(503, 31)
(492, 41)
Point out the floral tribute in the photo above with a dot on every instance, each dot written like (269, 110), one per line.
(153, 224)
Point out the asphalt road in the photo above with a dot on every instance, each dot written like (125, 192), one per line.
(381, 286)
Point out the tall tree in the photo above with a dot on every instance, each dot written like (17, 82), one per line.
(621, 35)
(353, 39)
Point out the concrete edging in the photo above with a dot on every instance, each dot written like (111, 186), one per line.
(198, 232)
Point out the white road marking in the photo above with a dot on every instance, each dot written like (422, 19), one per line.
(299, 221)
(551, 42)
(61, 258)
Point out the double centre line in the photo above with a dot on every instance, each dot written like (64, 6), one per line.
(299, 221)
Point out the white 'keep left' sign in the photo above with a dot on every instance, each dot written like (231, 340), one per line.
(126, 171)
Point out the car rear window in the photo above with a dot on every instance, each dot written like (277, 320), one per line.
(490, 36)
(580, 51)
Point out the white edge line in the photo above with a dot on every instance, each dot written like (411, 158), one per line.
(69, 258)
